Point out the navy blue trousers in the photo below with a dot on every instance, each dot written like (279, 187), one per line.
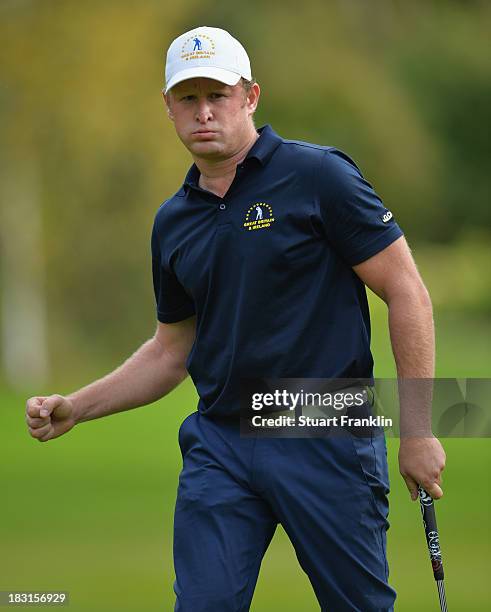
(329, 494)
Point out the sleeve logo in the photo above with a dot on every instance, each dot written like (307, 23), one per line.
(387, 216)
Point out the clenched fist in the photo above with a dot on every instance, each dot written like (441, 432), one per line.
(421, 462)
(49, 417)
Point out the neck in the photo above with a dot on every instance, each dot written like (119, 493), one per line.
(217, 175)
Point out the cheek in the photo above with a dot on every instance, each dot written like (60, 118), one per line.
(234, 113)
(182, 120)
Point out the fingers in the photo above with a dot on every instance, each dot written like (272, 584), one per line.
(33, 406)
(49, 431)
(48, 435)
(432, 484)
(49, 417)
(42, 407)
(434, 490)
(412, 487)
(35, 423)
(39, 413)
(49, 404)
(421, 461)
(41, 433)
(38, 426)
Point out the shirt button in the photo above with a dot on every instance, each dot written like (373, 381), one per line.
(222, 207)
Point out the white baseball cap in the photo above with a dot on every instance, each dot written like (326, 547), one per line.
(206, 52)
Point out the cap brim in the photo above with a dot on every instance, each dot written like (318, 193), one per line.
(217, 74)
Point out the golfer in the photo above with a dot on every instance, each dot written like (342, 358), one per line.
(277, 294)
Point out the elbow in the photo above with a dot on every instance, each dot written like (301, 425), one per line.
(415, 293)
(422, 295)
(182, 373)
(172, 361)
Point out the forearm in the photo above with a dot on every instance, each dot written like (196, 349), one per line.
(413, 344)
(149, 374)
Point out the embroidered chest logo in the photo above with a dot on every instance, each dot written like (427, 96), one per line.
(259, 216)
(198, 46)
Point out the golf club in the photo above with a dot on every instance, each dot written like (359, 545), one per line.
(433, 541)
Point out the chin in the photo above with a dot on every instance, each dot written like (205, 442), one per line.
(206, 149)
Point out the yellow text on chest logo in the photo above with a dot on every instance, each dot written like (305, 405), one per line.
(259, 216)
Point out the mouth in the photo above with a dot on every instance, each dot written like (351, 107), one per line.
(204, 133)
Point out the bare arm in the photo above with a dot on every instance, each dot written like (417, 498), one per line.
(156, 368)
(393, 276)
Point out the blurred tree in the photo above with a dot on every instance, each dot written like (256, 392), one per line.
(23, 313)
(81, 98)
(401, 87)
(448, 75)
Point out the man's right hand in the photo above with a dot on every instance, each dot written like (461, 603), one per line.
(49, 417)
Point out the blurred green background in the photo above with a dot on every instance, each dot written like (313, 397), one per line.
(86, 157)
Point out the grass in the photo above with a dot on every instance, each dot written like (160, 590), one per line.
(92, 512)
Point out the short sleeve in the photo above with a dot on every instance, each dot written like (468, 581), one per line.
(354, 218)
(173, 303)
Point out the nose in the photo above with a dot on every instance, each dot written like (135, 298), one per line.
(203, 110)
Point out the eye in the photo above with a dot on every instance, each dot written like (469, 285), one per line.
(187, 98)
(216, 95)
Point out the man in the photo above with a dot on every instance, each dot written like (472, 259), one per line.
(260, 263)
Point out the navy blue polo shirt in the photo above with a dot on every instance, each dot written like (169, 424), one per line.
(267, 269)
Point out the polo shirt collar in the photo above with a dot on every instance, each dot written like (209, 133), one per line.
(265, 145)
(262, 150)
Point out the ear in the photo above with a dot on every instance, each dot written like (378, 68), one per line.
(253, 98)
(167, 103)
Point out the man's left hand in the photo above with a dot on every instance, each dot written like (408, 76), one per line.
(421, 462)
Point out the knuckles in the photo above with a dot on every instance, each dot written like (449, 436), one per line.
(38, 433)
(428, 484)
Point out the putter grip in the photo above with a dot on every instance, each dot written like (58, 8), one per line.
(431, 532)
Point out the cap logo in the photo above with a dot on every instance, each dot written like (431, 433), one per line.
(198, 46)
